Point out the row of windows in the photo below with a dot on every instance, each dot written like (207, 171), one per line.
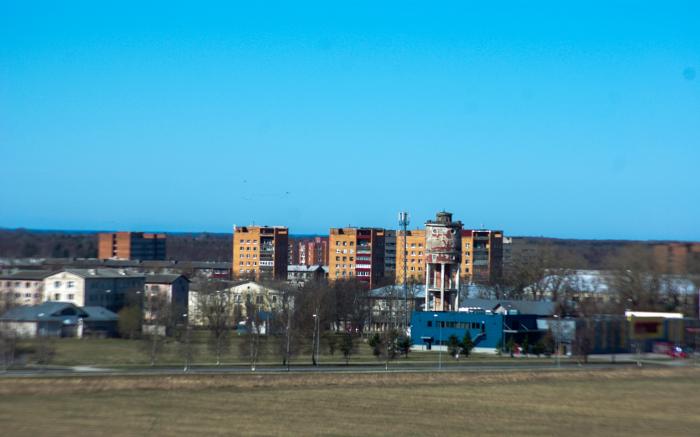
(26, 284)
(345, 243)
(344, 251)
(249, 242)
(352, 258)
(58, 284)
(241, 248)
(247, 255)
(247, 263)
(18, 295)
(458, 325)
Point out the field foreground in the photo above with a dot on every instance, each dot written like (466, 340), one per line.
(602, 402)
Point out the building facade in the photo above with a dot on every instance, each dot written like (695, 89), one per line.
(390, 255)
(131, 246)
(482, 256)
(357, 253)
(260, 251)
(109, 288)
(414, 256)
(442, 263)
(22, 288)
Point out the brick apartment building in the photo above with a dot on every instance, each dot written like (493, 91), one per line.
(260, 251)
(415, 254)
(357, 253)
(677, 258)
(481, 252)
(131, 246)
(482, 256)
(308, 251)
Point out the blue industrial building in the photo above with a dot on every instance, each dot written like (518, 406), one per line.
(488, 328)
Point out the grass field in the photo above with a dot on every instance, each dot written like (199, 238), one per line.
(119, 352)
(619, 402)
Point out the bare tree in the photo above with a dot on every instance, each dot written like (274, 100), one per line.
(157, 322)
(8, 347)
(218, 313)
(250, 347)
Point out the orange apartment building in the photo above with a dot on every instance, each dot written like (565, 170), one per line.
(356, 253)
(415, 254)
(260, 251)
(482, 256)
(131, 246)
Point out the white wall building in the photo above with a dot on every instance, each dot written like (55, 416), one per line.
(109, 288)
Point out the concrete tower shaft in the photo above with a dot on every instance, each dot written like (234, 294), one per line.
(443, 242)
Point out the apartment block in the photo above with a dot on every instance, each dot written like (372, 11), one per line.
(415, 256)
(22, 288)
(357, 253)
(390, 254)
(308, 251)
(260, 251)
(132, 246)
(482, 256)
(677, 258)
(482, 253)
(109, 288)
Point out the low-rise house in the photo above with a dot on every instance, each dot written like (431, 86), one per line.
(59, 319)
(25, 287)
(299, 274)
(109, 288)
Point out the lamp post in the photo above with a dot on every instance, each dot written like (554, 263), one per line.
(439, 342)
(187, 343)
(557, 340)
(316, 340)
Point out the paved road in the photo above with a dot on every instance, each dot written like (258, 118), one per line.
(56, 371)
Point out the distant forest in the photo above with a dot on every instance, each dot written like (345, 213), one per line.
(22, 243)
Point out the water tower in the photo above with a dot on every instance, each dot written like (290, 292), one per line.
(443, 241)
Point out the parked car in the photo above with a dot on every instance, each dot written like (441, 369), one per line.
(677, 352)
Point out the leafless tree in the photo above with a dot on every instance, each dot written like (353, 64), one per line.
(8, 347)
(217, 310)
(157, 322)
(254, 322)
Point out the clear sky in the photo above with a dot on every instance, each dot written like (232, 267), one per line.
(539, 118)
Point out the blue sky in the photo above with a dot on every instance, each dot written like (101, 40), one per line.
(539, 118)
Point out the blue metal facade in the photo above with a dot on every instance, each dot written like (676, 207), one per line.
(435, 328)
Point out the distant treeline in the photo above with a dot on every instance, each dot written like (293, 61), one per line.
(22, 243)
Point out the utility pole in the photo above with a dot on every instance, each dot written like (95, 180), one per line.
(404, 222)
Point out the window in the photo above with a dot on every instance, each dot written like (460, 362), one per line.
(56, 284)
(57, 296)
(71, 296)
(26, 284)
(430, 323)
(337, 258)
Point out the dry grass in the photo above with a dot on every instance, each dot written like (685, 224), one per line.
(631, 402)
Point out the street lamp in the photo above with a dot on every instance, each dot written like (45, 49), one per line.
(316, 340)
(187, 343)
(557, 340)
(439, 342)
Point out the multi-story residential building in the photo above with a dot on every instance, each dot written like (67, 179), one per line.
(414, 256)
(131, 246)
(109, 288)
(677, 258)
(301, 273)
(174, 288)
(260, 251)
(22, 288)
(482, 256)
(390, 255)
(308, 251)
(357, 253)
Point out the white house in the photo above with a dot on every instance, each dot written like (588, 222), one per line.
(109, 288)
